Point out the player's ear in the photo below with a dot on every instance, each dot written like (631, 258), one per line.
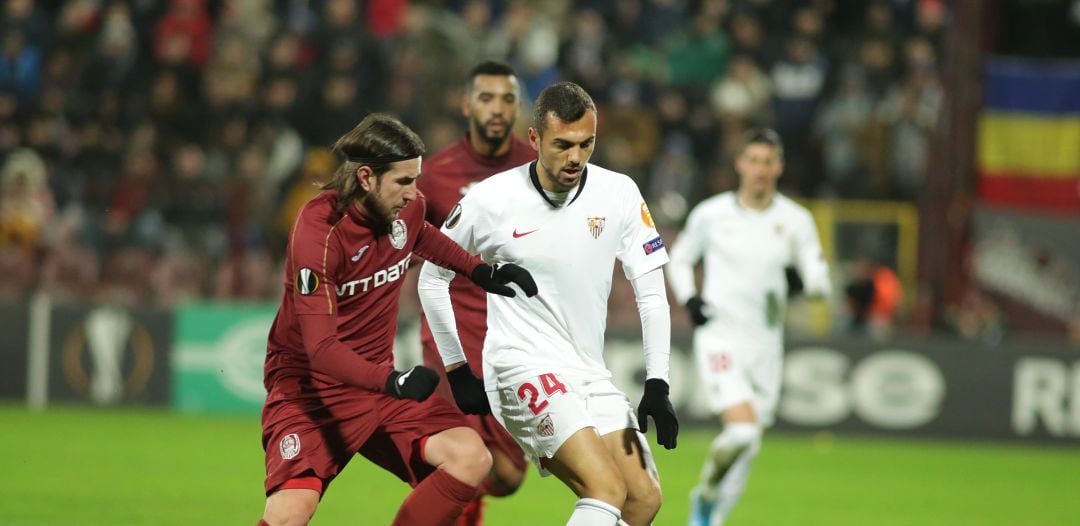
(534, 138)
(365, 177)
(465, 110)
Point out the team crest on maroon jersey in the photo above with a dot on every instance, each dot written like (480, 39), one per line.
(306, 281)
(289, 446)
(454, 218)
(596, 225)
(546, 426)
(398, 233)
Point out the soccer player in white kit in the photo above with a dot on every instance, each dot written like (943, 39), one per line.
(544, 374)
(759, 248)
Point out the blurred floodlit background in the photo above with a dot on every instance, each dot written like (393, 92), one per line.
(153, 155)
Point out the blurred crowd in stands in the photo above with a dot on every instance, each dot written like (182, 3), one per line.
(156, 151)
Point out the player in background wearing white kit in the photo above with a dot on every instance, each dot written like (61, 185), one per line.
(544, 372)
(759, 248)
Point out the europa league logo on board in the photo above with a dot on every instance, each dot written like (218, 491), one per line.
(108, 356)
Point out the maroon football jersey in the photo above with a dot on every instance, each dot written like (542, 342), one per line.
(343, 272)
(448, 175)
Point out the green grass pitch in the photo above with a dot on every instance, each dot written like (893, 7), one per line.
(110, 467)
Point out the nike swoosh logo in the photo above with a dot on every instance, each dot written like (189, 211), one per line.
(522, 234)
(401, 379)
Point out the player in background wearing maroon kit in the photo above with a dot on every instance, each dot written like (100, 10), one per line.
(332, 390)
(491, 104)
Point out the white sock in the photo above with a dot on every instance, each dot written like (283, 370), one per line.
(726, 448)
(732, 485)
(593, 512)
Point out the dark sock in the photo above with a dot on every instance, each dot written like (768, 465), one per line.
(474, 513)
(437, 501)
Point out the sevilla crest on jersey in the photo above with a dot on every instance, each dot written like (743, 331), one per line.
(596, 226)
(546, 426)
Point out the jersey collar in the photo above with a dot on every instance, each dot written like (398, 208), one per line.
(535, 178)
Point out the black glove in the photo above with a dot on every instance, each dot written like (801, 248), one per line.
(493, 278)
(794, 281)
(655, 403)
(415, 384)
(468, 391)
(696, 307)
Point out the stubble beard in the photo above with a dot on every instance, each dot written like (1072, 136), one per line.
(494, 141)
(561, 186)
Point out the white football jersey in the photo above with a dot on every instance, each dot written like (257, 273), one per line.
(570, 251)
(745, 252)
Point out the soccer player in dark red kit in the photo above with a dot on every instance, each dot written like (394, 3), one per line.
(332, 390)
(491, 104)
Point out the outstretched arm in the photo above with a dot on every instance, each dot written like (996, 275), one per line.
(438, 248)
(434, 289)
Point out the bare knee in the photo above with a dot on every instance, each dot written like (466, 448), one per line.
(643, 504)
(608, 487)
(291, 507)
(469, 462)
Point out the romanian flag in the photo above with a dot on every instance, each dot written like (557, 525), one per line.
(1029, 135)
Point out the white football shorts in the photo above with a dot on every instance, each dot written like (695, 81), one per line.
(543, 411)
(732, 374)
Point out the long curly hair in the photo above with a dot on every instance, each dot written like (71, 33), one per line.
(377, 141)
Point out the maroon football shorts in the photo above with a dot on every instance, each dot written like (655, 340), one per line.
(304, 438)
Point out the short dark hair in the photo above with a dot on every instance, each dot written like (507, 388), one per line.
(489, 67)
(766, 136)
(566, 100)
(378, 141)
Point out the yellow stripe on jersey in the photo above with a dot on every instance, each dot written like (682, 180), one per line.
(326, 248)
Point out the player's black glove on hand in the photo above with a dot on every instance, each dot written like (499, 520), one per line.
(493, 278)
(468, 391)
(415, 384)
(655, 403)
(696, 307)
(794, 281)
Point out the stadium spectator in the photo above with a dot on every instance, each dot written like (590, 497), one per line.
(873, 294)
(842, 126)
(699, 53)
(798, 80)
(741, 98)
(184, 35)
(20, 66)
(124, 83)
(911, 111)
(26, 202)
